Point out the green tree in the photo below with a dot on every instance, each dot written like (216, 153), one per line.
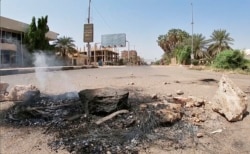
(35, 37)
(172, 39)
(183, 54)
(230, 59)
(220, 40)
(163, 43)
(65, 45)
(199, 46)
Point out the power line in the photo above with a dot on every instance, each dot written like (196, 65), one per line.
(105, 22)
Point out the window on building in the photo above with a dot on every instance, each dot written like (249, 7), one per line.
(5, 57)
(3, 34)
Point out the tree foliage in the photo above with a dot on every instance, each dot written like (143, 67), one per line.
(35, 37)
(183, 54)
(65, 45)
(199, 46)
(230, 59)
(178, 43)
(172, 39)
(220, 40)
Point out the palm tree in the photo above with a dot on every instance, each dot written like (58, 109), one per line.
(172, 39)
(199, 46)
(65, 45)
(220, 40)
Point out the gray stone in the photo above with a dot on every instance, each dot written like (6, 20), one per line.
(104, 100)
(3, 91)
(154, 96)
(194, 102)
(168, 116)
(179, 92)
(199, 135)
(230, 100)
(169, 95)
(23, 93)
(3, 87)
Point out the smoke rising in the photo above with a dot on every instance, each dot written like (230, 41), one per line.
(41, 75)
(60, 80)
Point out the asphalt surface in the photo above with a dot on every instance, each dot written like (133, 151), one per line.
(148, 79)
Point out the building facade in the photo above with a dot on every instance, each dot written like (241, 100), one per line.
(12, 50)
(130, 57)
(102, 56)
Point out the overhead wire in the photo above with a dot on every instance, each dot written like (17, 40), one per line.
(105, 22)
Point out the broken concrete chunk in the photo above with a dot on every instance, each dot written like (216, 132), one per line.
(3, 87)
(154, 96)
(3, 91)
(199, 135)
(230, 100)
(165, 111)
(23, 93)
(168, 116)
(103, 100)
(194, 102)
(179, 92)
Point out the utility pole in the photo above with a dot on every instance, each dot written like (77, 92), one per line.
(0, 36)
(192, 23)
(88, 42)
(128, 51)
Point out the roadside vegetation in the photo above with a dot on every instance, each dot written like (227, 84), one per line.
(215, 52)
(35, 40)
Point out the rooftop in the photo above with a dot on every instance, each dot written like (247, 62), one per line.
(18, 26)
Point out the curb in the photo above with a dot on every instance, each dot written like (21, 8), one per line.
(4, 72)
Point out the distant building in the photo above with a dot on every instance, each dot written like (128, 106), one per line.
(78, 59)
(102, 56)
(12, 51)
(129, 57)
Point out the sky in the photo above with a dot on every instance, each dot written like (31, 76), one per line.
(141, 20)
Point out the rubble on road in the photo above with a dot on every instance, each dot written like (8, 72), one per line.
(122, 128)
(18, 92)
(104, 100)
(230, 100)
(3, 91)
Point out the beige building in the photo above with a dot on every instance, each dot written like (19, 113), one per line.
(129, 57)
(12, 51)
(78, 59)
(103, 56)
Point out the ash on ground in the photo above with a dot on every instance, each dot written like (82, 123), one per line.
(77, 132)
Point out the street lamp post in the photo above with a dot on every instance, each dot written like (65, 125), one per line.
(192, 23)
(95, 58)
(0, 36)
(128, 50)
(89, 49)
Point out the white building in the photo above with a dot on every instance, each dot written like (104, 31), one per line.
(11, 38)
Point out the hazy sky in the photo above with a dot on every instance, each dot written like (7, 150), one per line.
(142, 20)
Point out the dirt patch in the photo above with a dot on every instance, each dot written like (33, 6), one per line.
(78, 133)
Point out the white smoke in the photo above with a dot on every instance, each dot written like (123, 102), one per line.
(40, 65)
(60, 80)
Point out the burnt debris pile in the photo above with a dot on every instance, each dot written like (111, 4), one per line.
(104, 120)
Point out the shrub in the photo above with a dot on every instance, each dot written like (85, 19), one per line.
(183, 54)
(230, 59)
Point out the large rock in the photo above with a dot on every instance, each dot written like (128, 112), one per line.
(3, 91)
(3, 87)
(103, 100)
(23, 93)
(230, 100)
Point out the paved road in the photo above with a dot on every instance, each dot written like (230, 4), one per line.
(149, 79)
